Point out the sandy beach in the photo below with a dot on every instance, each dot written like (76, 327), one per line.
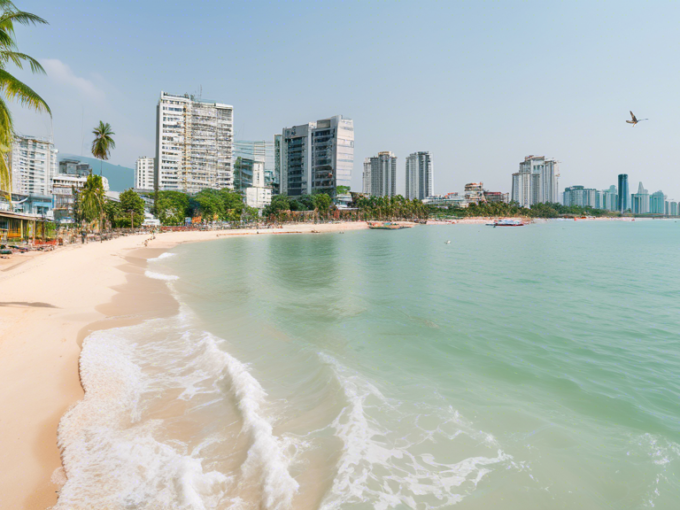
(48, 304)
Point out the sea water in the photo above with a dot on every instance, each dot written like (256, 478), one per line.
(517, 368)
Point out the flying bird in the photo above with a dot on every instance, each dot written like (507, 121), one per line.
(635, 119)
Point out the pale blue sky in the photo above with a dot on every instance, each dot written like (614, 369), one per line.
(479, 84)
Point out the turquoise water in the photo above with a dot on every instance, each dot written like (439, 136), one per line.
(520, 368)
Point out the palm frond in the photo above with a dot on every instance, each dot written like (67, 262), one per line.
(16, 58)
(17, 90)
(9, 17)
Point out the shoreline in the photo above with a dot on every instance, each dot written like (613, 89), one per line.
(50, 303)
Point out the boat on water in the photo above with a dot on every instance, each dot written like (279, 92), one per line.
(386, 225)
(506, 223)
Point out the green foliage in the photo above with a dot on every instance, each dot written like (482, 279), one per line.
(279, 203)
(92, 199)
(172, 207)
(341, 190)
(12, 89)
(103, 141)
(384, 208)
(501, 209)
(322, 202)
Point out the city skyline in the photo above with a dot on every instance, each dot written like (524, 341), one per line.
(580, 118)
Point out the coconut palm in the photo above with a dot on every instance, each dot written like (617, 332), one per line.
(92, 199)
(10, 87)
(103, 142)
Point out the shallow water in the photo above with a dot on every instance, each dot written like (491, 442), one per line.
(513, 368)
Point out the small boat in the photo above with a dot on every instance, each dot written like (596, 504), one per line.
(507, 223)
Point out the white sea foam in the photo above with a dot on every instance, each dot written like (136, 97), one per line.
(160, 276)
(162, 256)
(378, 468)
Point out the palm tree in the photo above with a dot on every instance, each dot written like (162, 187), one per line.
(103, 142)
(12, 88)
(92, 199)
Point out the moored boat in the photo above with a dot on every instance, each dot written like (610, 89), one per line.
(506, 223)
(386, 225)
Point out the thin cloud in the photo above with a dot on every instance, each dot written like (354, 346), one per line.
(62, 73)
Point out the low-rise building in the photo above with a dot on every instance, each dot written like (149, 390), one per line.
(258, 195)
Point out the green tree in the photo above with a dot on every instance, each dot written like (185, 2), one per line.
(92, 200)
(341, 190)
(279, 203)
(172, 207)
(103, 143)
(208, 204)
(132, 206)
(322, 202)
(11, 88)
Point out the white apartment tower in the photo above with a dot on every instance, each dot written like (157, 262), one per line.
(33, 162)
(144, 172)
(194, 140)
(317, 156)
(419, 176)
(366, 177)
(536, 182)
(383, 174)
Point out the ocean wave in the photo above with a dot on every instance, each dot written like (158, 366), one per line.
(162, 256)
(160, 276)
(380, 467)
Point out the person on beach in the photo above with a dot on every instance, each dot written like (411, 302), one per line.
(83, 236)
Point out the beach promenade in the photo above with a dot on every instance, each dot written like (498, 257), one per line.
(48, 305)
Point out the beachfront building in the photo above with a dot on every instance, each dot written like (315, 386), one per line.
(607, 199)
(623, 198)
(317, 157)
(66, 184)
(194, 139)
(366, 177)
(33, 163)
(419, 176)
(474, 193)
(580, 196)
(672, 208)
(144, 174)
(258, 195)
(657, 203)
(246, 153)
(640, 201)
(383, 174)
(536, 181)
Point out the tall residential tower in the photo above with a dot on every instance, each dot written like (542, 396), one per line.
(382, 170)
(536, 182)
(33, 162)
(624, 197)
(194, 140)
(419, 176)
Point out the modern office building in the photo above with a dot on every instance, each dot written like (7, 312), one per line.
(317, 157)
(194, 143)
(246, 153)
(657, 203)
(419, 176)
(640, 201)
(258, 195)
(624, 200)
(383, 174)
(33, 163)
(144, 174)
(536, 182)
(580, 196)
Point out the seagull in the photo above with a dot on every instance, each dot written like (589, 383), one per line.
(635, 119)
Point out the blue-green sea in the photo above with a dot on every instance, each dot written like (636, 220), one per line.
(515, 368)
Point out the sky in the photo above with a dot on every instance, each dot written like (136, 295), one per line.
(479, 84)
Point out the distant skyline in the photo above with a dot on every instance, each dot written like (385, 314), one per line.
(479, 85)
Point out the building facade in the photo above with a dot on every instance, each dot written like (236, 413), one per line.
(419, 176)
(33, 163)
(144, 174)
(657, 203)
(383, 174)
(580, 196)
(71, 177)
(624, 197)
(536, 181)
(317, 157)
(258, 195)
(366, 177)
(640, 201)
(194, 144)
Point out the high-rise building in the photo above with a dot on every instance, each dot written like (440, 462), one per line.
(275, 179)
(383, 174)
(673, 208)
(657, 203)
(257, 194)
(317, 157)
(624, 200)
(419, 176)
(144, 174)
(640, 200)
(536, 182)
(194, 139)
(246, 153)
(366, 177)
(580, 196)
(33, 163)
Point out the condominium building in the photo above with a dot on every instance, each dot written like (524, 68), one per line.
(536, 182)
(317, 157)
(640, 201)
(419, 176)
(383, 174)
(33, 163)
(366, 177)
(657, 203)
(624, 197)
(144, 174)
(672, 208)
(608, 199)
(194, 139)
(580, 196)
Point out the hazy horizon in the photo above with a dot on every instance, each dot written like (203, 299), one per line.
(479, 85)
